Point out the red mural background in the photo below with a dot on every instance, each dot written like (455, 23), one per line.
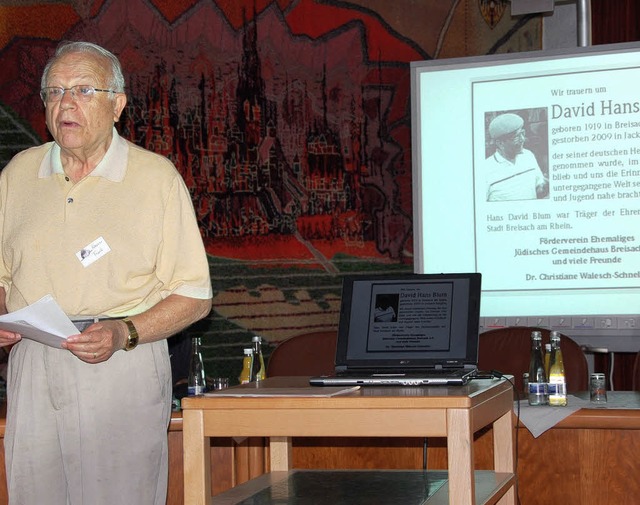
(289, 120)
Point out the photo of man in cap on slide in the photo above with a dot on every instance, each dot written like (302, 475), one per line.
(512, 172)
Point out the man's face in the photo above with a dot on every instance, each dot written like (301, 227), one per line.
(511, 144)
(76, 125)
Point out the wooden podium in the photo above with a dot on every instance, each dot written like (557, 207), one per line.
(283, 407)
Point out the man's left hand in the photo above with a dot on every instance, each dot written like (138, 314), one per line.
(98, 342)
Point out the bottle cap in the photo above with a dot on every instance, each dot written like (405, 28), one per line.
(256, 338)
(248, 351)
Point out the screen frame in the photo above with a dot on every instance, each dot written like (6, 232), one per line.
(587, 327)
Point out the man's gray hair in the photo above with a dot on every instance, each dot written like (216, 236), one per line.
(117, 78)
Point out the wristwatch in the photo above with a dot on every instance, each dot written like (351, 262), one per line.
(132, 338)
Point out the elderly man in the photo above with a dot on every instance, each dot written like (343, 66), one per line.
(109, 230)
(512, 172)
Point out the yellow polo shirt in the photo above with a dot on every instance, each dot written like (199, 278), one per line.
(113, 244)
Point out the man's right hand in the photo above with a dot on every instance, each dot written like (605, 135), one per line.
(9, 338)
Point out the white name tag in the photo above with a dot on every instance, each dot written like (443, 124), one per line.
(92, 252)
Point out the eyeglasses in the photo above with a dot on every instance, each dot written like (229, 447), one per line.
(517, 135)
(79, 92)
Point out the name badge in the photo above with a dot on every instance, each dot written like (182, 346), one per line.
(93, 252)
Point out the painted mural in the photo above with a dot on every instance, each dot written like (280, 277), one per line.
(289, 121)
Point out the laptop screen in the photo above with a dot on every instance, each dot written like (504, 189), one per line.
(408, 321)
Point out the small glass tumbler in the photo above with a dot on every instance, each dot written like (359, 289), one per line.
(598, 388)
(218, 383)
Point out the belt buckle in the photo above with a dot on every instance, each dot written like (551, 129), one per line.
(83, 324)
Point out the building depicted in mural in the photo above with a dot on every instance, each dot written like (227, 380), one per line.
(256, 167)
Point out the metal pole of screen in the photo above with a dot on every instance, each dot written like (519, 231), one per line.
(583, 12)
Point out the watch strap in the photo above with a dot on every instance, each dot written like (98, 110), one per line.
(133, 337)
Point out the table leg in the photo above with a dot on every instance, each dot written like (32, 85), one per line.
(503, 453)
(503, 433)
(280, 453)
(196, 457)
(460, 457)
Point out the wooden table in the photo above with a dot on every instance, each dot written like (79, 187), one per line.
(455, 413)
(590, 457)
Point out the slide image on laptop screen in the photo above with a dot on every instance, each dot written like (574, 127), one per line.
(410, 317)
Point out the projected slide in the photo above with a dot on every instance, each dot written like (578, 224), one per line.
(582, 229)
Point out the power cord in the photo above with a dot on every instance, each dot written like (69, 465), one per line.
(425, 447)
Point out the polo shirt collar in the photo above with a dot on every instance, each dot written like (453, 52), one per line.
(112, 166)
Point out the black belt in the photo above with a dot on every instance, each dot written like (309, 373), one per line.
(83, 324)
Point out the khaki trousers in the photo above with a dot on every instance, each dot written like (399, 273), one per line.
(81, 434)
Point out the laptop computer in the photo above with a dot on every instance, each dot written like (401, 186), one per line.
(406, 330)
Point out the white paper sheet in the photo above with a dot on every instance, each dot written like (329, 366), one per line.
(43, 321)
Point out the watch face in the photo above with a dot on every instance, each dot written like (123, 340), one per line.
(131, 342)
